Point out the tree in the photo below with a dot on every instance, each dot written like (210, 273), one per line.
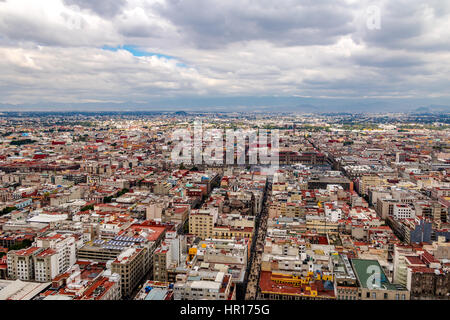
(22, 142)
(7, 210)
(87, 208)
(186, 228)
(21, 245)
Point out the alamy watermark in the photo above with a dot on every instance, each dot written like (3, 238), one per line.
(374, 280)
(373, 17)
(218, 146)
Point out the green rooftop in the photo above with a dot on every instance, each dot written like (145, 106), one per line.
(363, 271)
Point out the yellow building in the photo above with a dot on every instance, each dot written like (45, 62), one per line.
(201, 223)
(320, 224)
(369, 181)
(227, 232)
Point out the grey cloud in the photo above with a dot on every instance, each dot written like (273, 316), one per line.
(22, 31)
(69, 30)
(19, 29)
(106, 8)
(383, 83)
(382, 60)
(286, 22)
(404, 25)
(138, 31)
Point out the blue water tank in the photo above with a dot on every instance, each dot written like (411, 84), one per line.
(328, 285)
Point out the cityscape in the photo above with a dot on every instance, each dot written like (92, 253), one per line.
(94, 207)
(224, 158)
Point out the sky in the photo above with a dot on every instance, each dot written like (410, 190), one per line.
(335, 55)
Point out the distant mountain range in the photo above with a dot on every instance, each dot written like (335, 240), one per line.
(250, 104)
(433, 108)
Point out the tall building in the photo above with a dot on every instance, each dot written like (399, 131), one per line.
(46, 265)
(62, 246)
(132, 267)
(51, 255)
(168, 254)
(201, 223)
(21, 263)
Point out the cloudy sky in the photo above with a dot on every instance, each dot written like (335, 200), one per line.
(210, 52)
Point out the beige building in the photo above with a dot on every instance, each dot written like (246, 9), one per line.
(132, 265)
(21, 263)
(367, 181)
(385, 207)
(432, 210)
(162, 188)
(33, 264)
(52, 254)
(161, 260)
(321, 225)
(46, 265)
(201, 223)
(155, 210)
(97, 253)
(227, 232)
(286, 209)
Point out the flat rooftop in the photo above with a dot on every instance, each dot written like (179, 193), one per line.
(364, 268)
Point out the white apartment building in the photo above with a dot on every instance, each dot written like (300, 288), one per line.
(204, 286)
(21, 263)
(403, 211)
(46, 265)
(64, 247)
(332, 213)
(49, 256)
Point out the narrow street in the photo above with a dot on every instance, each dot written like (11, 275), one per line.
(256, 252)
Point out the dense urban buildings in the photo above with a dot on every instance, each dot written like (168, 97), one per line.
(93, 207)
